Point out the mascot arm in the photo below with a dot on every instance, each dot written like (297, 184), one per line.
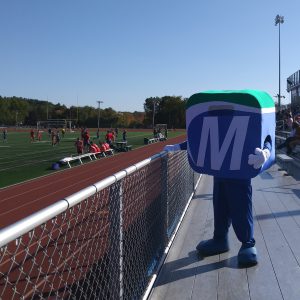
(260, 156)
(176, 147)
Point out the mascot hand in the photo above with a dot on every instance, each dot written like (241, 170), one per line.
(259, 158)
(172, 148)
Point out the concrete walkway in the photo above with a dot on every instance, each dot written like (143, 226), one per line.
(277, 232)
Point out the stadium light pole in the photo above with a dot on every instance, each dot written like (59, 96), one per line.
(154, 103)
(99, 102)
(279, 20)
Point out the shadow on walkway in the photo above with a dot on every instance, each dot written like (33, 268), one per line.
(175, 273)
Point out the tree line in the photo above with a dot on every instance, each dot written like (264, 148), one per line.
(18, 111)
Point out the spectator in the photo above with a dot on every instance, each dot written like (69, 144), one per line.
(96, 147)
(53, 138)
(4, 135)
(93, 148)
(124, 135)
(39, 135)
(31, 135)
(106, 146)
(82, 132)
(113, 136)
(297, 117)
(86, 139)
(291, 141)
(102, 147)
(63, 131)
(154, 133)
(57, 137)
(288, 121)
(109, 137)
(166, 133)
(161, 136)
(79, 146)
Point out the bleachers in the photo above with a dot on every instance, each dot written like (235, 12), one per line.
(284, 161)
(281, 136)
(289, 162)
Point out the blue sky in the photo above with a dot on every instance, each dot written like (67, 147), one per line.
(124, 51)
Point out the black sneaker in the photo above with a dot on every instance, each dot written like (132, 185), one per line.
(213, 247)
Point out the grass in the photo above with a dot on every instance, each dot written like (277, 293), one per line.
(22, 160)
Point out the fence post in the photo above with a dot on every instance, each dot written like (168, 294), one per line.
(121, 240)
(165, 193)
(115, 251)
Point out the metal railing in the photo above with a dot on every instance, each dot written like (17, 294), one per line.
(104, 242)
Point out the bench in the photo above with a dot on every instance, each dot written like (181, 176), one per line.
(121, 146)
(150, 141)
(109, 152)
(68, 160)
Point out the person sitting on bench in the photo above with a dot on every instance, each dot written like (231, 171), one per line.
(106, 146)
(291, 140)
(93, 148)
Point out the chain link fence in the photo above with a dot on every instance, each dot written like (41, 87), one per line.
(104, 242)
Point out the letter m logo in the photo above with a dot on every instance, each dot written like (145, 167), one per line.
(236, 131)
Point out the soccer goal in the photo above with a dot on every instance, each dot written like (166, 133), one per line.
(161, 127)
(52, 123)
(161, 131)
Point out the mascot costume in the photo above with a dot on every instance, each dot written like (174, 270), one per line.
(230, 135)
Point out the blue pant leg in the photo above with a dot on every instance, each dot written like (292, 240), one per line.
(239, 194)
(222, 219)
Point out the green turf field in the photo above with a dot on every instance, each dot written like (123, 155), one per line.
(21, 160)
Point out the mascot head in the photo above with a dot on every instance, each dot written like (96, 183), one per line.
(224, 127)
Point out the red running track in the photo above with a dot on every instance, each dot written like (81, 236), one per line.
(21, 200)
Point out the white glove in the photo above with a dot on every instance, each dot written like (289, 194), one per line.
(259, 158)
(172, 148)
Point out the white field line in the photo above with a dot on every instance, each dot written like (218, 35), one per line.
(29, 162)
(22, 165)
(36, 155)
(33, 153)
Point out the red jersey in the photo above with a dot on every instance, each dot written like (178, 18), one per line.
(97, 148)
(93, 149)
(106, 145)
(109, 136)
(79, 144)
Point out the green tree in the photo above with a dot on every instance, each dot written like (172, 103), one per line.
(168, 110)
(151, 104)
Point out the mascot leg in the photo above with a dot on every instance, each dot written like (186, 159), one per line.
(239, 198)
(240, 205)
(232, 200)
(219, 243)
